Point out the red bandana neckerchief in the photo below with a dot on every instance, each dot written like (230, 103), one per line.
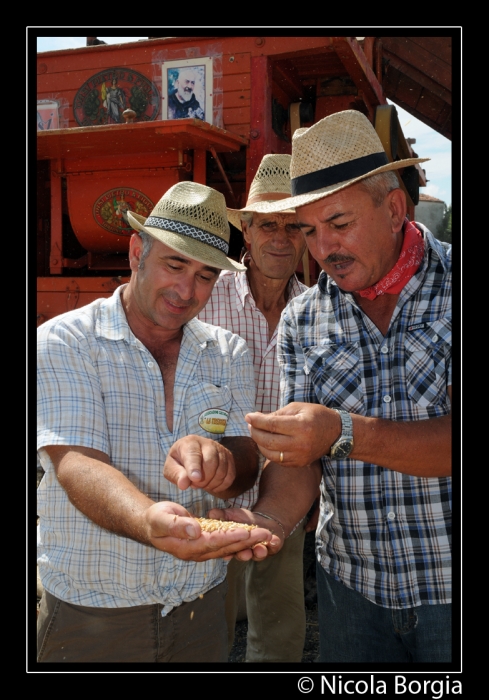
(409, 260)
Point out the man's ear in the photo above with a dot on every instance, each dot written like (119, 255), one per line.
(397, 208)
(135, 251)
(246, 234)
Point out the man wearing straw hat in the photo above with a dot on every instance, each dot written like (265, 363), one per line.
(249, 303)
(366, 394)
(140, 427)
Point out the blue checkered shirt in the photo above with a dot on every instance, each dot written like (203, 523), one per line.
(99, 387)
(384, 534)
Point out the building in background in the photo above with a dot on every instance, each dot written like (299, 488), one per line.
(430, 212)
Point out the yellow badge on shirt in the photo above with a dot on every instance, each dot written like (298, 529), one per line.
(214, 420)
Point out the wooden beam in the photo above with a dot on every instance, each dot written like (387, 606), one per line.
(418, 77)
(56, 250)
(412, 54)
(355, 62)
(287, 77)
(200, 173)
(261, 115)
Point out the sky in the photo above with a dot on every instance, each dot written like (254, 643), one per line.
(429, 143)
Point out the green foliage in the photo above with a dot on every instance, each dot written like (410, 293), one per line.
(444, 230)
(92, 108)
(138, 101)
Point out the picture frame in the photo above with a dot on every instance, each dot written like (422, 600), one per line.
(187, 89)
(47, 115)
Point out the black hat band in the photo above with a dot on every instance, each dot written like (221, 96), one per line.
(337, 173)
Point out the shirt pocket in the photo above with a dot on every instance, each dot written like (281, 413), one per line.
(334, 371)
(207, 410)
(428, 354)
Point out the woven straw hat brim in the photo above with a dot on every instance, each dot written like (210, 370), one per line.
(258, 207)
(196, 250)
(309, 197)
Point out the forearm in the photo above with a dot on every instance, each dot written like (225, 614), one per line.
(288, 494)
(101, 492)
(417, 448)
(245, 454)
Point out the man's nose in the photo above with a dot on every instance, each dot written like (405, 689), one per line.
(185, 287)
(326, 244)
(280, 237)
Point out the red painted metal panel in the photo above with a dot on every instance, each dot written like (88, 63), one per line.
(57, 295)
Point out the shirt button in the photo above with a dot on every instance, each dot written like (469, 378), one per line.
(150, 364)
(391, 515)
(387, 398)
(435, 338)
(384, 349)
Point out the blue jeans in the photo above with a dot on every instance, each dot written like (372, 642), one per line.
(354, 630)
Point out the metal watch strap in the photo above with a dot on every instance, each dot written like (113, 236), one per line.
(346, 429)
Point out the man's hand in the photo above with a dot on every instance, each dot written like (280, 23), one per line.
(200, 463)
(242, 515)
(172, 529)
(301, 432)
(113, 502)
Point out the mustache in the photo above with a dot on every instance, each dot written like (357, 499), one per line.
(337, 258)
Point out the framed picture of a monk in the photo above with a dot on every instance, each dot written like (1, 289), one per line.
(187, 89)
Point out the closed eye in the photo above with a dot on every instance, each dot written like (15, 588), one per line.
(307, 230)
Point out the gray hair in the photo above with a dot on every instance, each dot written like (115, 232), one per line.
(246, 217)
(147, 245)
(378, 186)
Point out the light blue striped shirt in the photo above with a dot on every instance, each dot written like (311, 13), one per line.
(99, 387)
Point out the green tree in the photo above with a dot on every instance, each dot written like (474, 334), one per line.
(444, 230)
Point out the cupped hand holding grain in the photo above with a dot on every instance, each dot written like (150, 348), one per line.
(242, 517)
(173, 530)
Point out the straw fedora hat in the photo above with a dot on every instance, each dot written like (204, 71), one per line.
(338, 151)
(191, 219)
(270, 184)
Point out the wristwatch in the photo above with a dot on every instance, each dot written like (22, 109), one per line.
(344, 444)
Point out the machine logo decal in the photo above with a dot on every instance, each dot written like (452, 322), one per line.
(110, 209)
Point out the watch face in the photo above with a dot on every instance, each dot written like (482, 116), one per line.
(342, 449)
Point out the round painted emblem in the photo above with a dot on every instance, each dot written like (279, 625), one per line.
(105, 96)
(109, 211)
(214, 420)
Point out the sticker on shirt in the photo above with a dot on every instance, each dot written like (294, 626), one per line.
(214, 420)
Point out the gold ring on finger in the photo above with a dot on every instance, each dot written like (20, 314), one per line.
(281, 459)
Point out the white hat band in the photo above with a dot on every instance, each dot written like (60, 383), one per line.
(187, 230)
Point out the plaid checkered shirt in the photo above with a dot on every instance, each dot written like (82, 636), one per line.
(233, 307)
(384, 534)
(99, 387)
